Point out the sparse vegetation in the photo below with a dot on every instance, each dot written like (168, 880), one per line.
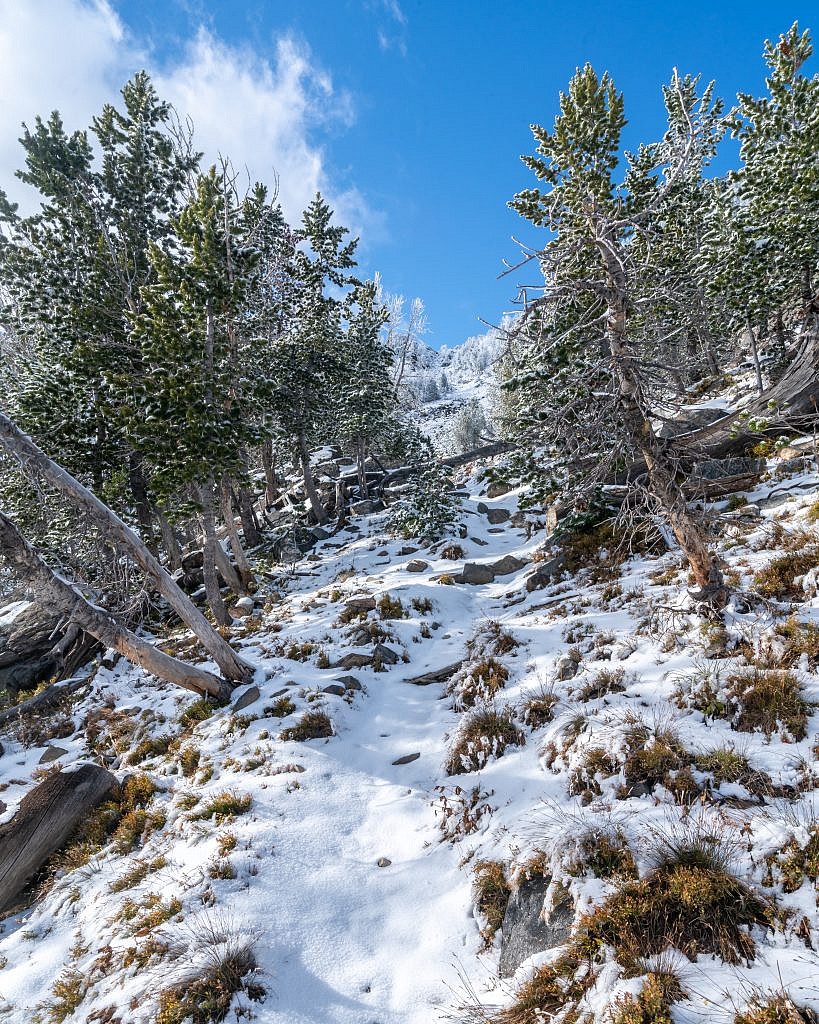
(484, 734)
(491, 891)
(312, 725)
(223, 807)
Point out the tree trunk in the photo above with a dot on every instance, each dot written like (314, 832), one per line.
(309, 484)
(245, 573)
(269, 465)
(250, 524)
(126, 541)
(361, 457)
(660, 466)
(169, 541)
(60, 597)
(142, 505)
(760, 387)
(211, 553)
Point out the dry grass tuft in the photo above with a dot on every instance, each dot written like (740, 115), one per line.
(491, 891)
(485, 733)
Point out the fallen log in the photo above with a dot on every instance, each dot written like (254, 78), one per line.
(45, 819)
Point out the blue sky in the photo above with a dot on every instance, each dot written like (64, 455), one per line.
(412, 113)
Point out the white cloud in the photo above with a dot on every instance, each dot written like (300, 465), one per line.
(262, 110)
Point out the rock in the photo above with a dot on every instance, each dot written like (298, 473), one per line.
(565, 668)
(526, 931)
(193, 560)
(280, 693)
(440, 675)
(479, 540)
(45, 819)
(3, 807)
(383, 862)
(27, 636)
(335, 690)
(320, 533)
(476, 575)
(354, 660)
(243, 607)
(545, 573)
(417, 565)
(387, 655)
(52, 753)
(246, 698)
(497, 488)
(495, 516)
(508, 564)
(482, 507)
(360, 603)
(362, 508)
(407, 759)
(349, 682)
(691, 419)
(407, 549)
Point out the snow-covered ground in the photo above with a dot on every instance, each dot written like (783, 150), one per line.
(359, 907)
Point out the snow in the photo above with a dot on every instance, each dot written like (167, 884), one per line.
(340, 939)
(12, 611)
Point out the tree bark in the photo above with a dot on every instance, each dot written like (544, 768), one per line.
(169, 541)
(211, 553)
(361, 457)
(244, 577)
(309, 483)
(142, 504)
(250, 524)
(60, 597)
(269, 465)
(760, 387)
(125, 540)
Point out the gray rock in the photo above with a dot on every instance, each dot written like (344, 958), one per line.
(335, 690)
(496, 489)
(243, 607)
(495, 516)
(508, 564)
(383, 862)
(483, 508)
(246, 698)
(362, 508)
(52, 753)
(320, 533)
(417, 565)
(387, 655)
(349, 682)
(525, 931)
(354, 660)
(193, 560)
(565, 668)
(360, 603)
(545, 573)
(407, 549)
(476, 575)
(407, 759)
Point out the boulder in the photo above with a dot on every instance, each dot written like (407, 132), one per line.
(243, 607)
(526, 930)
(45, 819)
(508, 564)
(362, 508)
(406, 759)
(335, 690)
(417, 565)
(354, 660)
(52, 753)
(27, 636)
(496, 516)
(565, 668)
(348, 682)
(360, 603)
(691, 419)
(387, 655)
(476, 574)
(193, 560)
(320, 533)
(498, 488)
(545, 573)
(407, 549)
(246, 698)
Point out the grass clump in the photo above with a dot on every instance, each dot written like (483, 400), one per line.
(553, 987)
(478, 681)
(312, 725)
(67, 994)
(595, 764)
(137, 874)
(607, 680)
(779, 577)
(604, 855)
(690, 902)
(486, 733)
(223, 806)
(767, 700)
(653, 1004)
(390, 608)
(150, 747)
(150, 912)
(795, 863)
(200, 710)
(491, 891)
(778, 1008)
(538, 707)
(281, 707)
(189, 758)
(799, 638)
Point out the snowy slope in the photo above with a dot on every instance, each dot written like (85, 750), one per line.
(338, 938)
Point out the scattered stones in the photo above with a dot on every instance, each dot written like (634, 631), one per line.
(52, 753)
(407, 759)
(247, 697)
(508, 564)
(417, 565)
(526, 930)
(383, 862)
(475, 574)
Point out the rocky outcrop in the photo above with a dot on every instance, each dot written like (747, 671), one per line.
(527, 929)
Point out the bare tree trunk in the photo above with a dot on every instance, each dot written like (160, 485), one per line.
(126, 541)
(760, 387)
(360, 463)
(250, 524)
(245, 573)
(169, 541)
(309, 484)
(142, 505)
(211, 553)
(269, 465)
(660, 466)
(60, 597)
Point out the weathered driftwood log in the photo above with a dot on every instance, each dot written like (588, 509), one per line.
(45, 820)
